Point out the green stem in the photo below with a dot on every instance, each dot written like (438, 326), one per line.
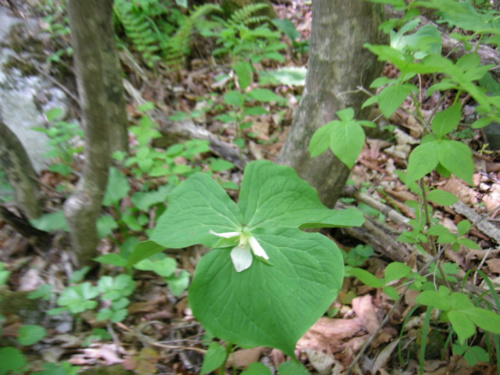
(222, 368)
(432, 239)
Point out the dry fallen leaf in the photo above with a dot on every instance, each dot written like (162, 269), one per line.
(365, 312)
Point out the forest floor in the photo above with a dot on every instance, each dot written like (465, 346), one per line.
(164, 324)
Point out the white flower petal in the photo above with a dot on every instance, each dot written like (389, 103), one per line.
(242, 258)
(257, 249)
(225, 235)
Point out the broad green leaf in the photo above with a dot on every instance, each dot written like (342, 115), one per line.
(391, 292)
(345, 114)
(463, 326)
(214, 358)
(11, 359)
(468, 243)
(380, 81)
(391, 97)
(456, 157)
(51, 222)
(218, 165)
(105, 225)
(178, 284)
(396, 271)
(292, 368)
(265, 95)
(350, 217)
(463, 227)
(476, 354)
(442, 197)
(164, 267)
(320, 140)
(346, 141)
(234, 98)
(117, 188)
(485, 319)
(257, 368)
(287, 27)
(422, 160)
(264, 202)
(433, 299)
(196, 206)
(144, 250)
(30, 334)
(304, 276)
(366, 277)
(144, 200)
(243, 71)
(447, 120)
(481, 123)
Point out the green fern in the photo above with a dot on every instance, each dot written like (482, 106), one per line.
(140, 29)
(177, 47)
(244, 16)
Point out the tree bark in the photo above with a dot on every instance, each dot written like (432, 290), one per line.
(338, 64)
(82, 208)
(20, 173)
(113, 80)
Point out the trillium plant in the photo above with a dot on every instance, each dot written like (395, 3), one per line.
(265, 281)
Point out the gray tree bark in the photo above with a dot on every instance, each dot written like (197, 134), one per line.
(82, 208)
(338, 63)
(22, 177)
(113, 79)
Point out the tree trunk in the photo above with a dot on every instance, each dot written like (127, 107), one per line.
(338, 63)
(82, 208)
(113, 80)
(22, 177)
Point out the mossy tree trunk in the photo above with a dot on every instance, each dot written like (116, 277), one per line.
(82, 208)
(338, 63)
(113, 80)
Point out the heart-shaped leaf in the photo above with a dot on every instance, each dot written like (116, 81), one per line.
(268, 304)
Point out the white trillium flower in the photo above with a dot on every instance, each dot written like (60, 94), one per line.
(241, 255)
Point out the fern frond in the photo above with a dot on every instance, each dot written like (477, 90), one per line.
(177, 46)
(140, 29)
(244, 16)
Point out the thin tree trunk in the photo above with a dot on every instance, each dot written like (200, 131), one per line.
(20, 173)
(338, 63)
(113, 79)
(82, 208)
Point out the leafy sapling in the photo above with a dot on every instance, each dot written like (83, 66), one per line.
(265, 282)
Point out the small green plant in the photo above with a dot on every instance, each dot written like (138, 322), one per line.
(111, 293)
(63, 138)
(12, 358)
(238, 38)
(245, 103)
(257, 244)
(55, 22)
(414, 52)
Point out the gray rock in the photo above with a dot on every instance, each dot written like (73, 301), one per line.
(20, 106)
